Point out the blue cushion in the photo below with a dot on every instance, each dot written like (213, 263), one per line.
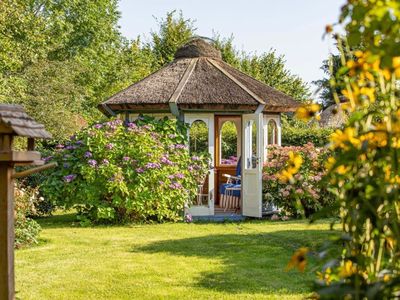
(223, 187)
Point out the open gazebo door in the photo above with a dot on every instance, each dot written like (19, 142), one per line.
(203, 205)
(252, 164)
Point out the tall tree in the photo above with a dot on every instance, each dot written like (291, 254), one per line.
(174, 31)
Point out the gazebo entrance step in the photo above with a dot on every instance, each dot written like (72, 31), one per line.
(220, 218)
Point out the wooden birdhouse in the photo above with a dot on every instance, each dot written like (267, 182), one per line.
(14, 122)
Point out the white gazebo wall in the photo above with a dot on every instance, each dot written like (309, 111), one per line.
(277, 119)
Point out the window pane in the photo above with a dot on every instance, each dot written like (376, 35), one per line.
(254, 145)
(229, 143)
(198, 138)
(272, 133)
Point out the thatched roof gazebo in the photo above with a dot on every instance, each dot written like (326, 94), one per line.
(198, 86)
(198, 79)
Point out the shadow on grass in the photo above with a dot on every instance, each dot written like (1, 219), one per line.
(251, 263)
(58, 221)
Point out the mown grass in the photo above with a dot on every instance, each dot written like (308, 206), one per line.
(167, 261)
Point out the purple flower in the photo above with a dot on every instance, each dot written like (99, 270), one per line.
(60, 146)
(105, 162)
(139, 170)
(166, 161)
(195, 158)
(126, 158)
(92, 162)
(69, 178)
(175, 185)
(110, 146)
(170, 176)
(188, 218)
(190, 168)
(132, 125)
(180, 146)
(147, 127)
(151, 165)
(88, 154)
(180, 175)
(66, 165)
(47, 159)
(70, 147)
(160, 182)
(98, 126)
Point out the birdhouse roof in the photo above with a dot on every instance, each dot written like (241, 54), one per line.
(18, 122)
(198, 79)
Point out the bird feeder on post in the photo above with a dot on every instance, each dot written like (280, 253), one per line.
(14, 122)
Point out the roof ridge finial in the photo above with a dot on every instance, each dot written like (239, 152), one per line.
(198, 47)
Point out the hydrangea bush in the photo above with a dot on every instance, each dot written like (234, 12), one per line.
(118, 172)
(302, 192)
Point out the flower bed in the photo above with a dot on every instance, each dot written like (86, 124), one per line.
(303, 191)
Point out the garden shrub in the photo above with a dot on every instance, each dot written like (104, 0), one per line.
(297, 136)
(303, 192)
(26, 229)
(116, 172)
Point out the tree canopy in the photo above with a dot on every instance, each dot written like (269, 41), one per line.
(61, 58)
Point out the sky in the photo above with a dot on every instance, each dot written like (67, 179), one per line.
(293, 27)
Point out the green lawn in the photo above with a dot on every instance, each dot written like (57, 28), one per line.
(167, 261)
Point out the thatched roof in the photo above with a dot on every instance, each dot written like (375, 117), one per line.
(333, 117)
(16, 121)
(198, 79)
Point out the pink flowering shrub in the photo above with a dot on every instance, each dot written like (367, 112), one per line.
(306, 191)
(117, 172)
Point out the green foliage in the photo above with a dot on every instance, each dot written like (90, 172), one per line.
(59, 59)
(173, 33)
(298, 133)
(364, 170)
(198, 138)
(268, 67)
(330, 67)
(229, 139)
(26, 229)
(307, 193)
(117, 173)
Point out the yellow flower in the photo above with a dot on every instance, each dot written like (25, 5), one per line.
(330, 162)
(298, 260)
(326, 276)
(396, 66)
(307, 112)
(285, 176)
(342, 139)
(341, 170)
(347, 269)
(369, 92)
(295, 160)
(292, 167)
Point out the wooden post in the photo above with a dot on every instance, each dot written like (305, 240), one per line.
(6, 232)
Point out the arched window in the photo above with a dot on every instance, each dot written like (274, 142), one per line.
(229, 143)
(272, 133)
(198, 138)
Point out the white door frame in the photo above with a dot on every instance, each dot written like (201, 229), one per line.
(252, 166)
(208, 118)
